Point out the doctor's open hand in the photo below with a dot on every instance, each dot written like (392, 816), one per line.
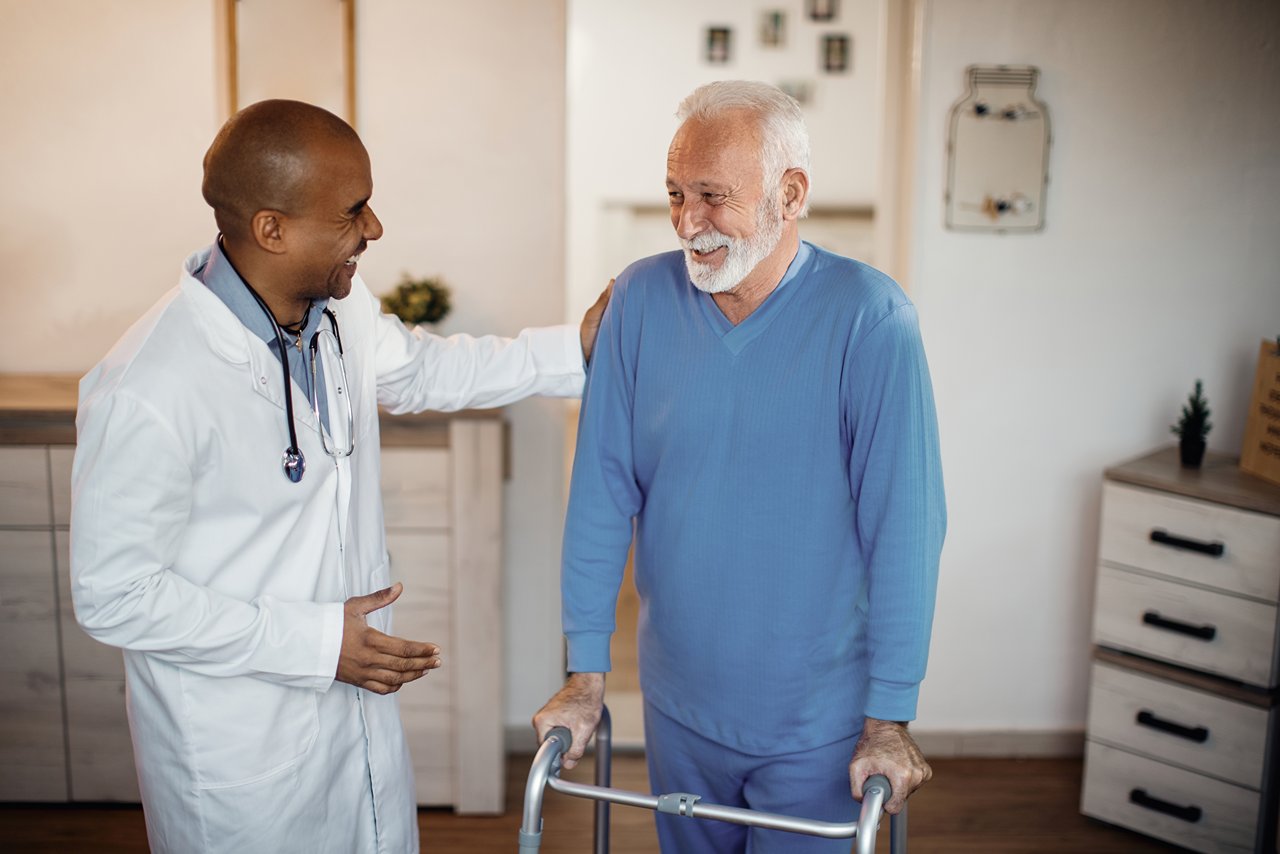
(377, 662)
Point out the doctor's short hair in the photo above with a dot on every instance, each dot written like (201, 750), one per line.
(259, 160)
(785, 136)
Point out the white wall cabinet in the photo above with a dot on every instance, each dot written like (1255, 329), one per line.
(442, 494)
(1183, 723)
(31, 706)
(65, 726)
(64, 733)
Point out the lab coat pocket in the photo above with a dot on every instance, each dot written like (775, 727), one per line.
(260, 815)
(242, 730)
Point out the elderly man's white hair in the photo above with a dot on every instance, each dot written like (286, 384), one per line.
(786, 139)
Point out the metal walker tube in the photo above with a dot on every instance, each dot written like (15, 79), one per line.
(545, 772)
(604, 773)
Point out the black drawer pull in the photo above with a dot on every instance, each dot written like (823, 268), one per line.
(1142, 799)
(1197, 734)
(1204, 633)
(1164, 538)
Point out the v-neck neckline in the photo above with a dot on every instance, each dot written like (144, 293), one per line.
(736, 338)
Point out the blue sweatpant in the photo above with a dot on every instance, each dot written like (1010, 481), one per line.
(812, 784)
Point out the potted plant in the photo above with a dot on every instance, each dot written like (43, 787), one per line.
(1192, 428)
(418, 300)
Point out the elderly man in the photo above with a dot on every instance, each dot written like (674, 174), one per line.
(761, 408)
(226, 526)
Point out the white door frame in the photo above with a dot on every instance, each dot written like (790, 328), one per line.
(902, 37)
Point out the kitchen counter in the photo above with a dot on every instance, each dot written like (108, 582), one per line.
(40, 409)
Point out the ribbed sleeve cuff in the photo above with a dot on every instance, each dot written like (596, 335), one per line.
(892, 701)
(588, 652)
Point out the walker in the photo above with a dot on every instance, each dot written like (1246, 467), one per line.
(546, 772)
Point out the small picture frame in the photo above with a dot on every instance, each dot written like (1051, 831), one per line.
(836, 53)
(801, 90)
(822, 10)
(719, 45)
(773, 28)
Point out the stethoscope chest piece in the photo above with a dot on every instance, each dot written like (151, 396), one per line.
(294, 464)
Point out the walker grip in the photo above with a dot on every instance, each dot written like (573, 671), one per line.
(877, 781)
(562, 733)
(876, 791)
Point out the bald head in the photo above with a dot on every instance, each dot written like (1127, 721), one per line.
(262, 160)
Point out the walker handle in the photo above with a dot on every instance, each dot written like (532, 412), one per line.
(546, 767)
(562, 733)
(875, 792)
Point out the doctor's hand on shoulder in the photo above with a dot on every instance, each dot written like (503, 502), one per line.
(590, 325)
(375, 661)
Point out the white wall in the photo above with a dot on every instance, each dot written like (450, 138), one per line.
(462, 108)
(629, 66)
(109, 108)
(1055, 355)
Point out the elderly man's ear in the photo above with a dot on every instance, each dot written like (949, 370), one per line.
(795, 190)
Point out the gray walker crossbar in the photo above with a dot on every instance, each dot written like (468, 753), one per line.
(546, 773)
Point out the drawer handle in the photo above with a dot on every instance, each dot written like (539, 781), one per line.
(1142, 799)
(1204, 633)
(1197, 734)
(1164, 538)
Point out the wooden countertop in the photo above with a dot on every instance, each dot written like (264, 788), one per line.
(1218, 479)
(40, 409)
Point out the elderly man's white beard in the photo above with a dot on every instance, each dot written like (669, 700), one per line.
(743, 255)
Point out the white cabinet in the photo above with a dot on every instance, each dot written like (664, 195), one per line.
(442, 495)
(31, 746)
(99, 748)
(1183, 730)
(64, 733)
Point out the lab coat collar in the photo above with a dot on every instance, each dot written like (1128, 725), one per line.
(231, 340)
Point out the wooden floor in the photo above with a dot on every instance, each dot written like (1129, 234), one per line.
(998, 806)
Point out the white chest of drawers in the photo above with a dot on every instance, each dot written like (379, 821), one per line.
(1182, 734)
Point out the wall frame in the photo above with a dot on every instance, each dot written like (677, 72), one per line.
(263, 53)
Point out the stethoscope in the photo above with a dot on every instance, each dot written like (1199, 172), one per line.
(294, 462)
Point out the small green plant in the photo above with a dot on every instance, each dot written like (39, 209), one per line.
(418, 300)
(1194, 424)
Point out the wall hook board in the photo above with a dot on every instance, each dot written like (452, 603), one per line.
(998, 152)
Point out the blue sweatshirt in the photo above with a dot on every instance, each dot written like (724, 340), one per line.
(785, 484)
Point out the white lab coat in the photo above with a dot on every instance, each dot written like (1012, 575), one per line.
(223, 582)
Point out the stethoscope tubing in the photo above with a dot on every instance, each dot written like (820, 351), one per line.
(293, 461)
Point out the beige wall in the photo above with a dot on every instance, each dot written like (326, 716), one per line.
(1057, 354)
(462, 108)
(109, 107)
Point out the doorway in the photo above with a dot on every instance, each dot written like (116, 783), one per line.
(621, 100)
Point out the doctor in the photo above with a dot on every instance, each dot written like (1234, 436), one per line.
(227, 529)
